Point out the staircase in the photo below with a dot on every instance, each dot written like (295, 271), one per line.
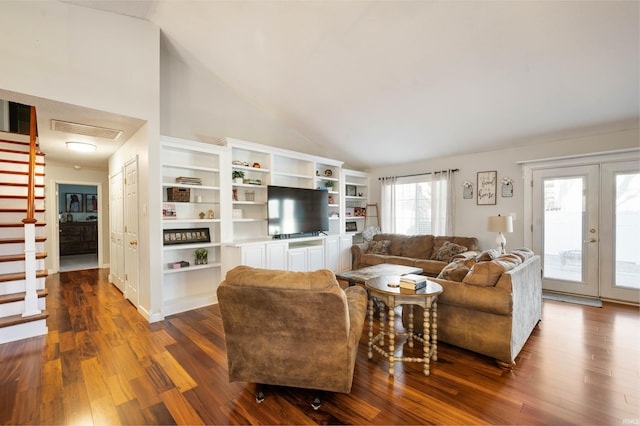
(22, 258)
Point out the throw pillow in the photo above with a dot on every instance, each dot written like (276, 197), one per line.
(523, 253)
(448, 250)
(487, 274)
(457, 270)
(488, 255)
(379, 247)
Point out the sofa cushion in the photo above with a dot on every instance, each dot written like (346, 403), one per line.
(374, 259)
(397, 241)
(418, 246)
(448, 250)
(457, 270)
(486, 274)
(379, 247)
(430, 268)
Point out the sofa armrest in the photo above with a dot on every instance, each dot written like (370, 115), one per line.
(357, 250)
(466, 255)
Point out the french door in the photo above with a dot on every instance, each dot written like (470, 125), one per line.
(620, 270)
(586, 225)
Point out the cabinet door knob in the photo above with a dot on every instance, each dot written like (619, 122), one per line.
(133, 243)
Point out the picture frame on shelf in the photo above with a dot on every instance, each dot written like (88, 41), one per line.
(185, 236)
(351, 227)
(487, 187)
(73, 202)
(351, 190)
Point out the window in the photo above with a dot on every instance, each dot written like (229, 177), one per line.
(413, 208)
(421, 204)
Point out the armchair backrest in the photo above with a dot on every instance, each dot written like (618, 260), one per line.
(286, 328)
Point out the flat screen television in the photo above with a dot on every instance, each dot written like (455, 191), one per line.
(296, 212)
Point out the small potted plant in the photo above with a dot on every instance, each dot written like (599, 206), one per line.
(329, 185)
(202, 256)
(237, 176)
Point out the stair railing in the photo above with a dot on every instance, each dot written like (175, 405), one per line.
(31, 294)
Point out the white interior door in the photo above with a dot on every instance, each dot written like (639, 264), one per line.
(566, 228)
(116, 220)
(131, 231)
(619, 253)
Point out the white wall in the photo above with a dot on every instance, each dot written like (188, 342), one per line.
(62, 174)
(80, 56)
(94, 59)
(471, 219)
(197, 105)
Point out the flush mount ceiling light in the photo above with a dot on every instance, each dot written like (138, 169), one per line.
(81, 146)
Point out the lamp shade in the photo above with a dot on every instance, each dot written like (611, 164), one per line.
(500, 224)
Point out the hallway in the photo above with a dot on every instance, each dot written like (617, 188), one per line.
(75, 262)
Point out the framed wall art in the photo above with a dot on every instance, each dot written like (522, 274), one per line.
(487, 187)
(467, 190)
(73, 203)
(90, 203)
(185, 236)
(507, 187)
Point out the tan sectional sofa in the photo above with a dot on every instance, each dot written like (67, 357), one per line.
(490, 303)
(431, 253)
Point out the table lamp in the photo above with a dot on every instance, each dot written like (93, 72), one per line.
(500, 224)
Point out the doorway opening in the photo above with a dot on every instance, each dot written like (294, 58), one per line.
(78, 227)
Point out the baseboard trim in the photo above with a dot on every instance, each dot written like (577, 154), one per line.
(570, 298)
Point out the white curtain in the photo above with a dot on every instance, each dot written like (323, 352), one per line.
(442, 203)
(388, 201)
(440, 215)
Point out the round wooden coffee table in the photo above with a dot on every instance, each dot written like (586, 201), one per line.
(379, 289)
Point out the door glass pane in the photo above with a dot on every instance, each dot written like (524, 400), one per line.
(563, 228)
(627, 228)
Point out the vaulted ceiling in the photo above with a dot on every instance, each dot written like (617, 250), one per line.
(405, 80)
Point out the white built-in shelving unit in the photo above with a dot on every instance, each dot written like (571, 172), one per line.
(186, 222)
(356, 196)
(234, 214)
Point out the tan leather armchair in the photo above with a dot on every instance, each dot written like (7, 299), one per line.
(296, 329)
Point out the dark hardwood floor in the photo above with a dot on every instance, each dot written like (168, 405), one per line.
(102, 363)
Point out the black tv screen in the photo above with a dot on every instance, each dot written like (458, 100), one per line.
(295, 211)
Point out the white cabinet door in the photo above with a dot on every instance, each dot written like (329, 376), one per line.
(277, 256)
(254, 255)
(297, 259)
(315, 258)
(346, 241)
(332, 253)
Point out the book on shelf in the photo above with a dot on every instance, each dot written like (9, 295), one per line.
(413, 286)
(413, 278)
(189, 180)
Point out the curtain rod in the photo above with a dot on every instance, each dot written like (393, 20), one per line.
(421, 174)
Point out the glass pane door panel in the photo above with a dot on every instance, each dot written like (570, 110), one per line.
(564, 210)
(627, 230)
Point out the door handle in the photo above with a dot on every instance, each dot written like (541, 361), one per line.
(133, 243)
(591, 240)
